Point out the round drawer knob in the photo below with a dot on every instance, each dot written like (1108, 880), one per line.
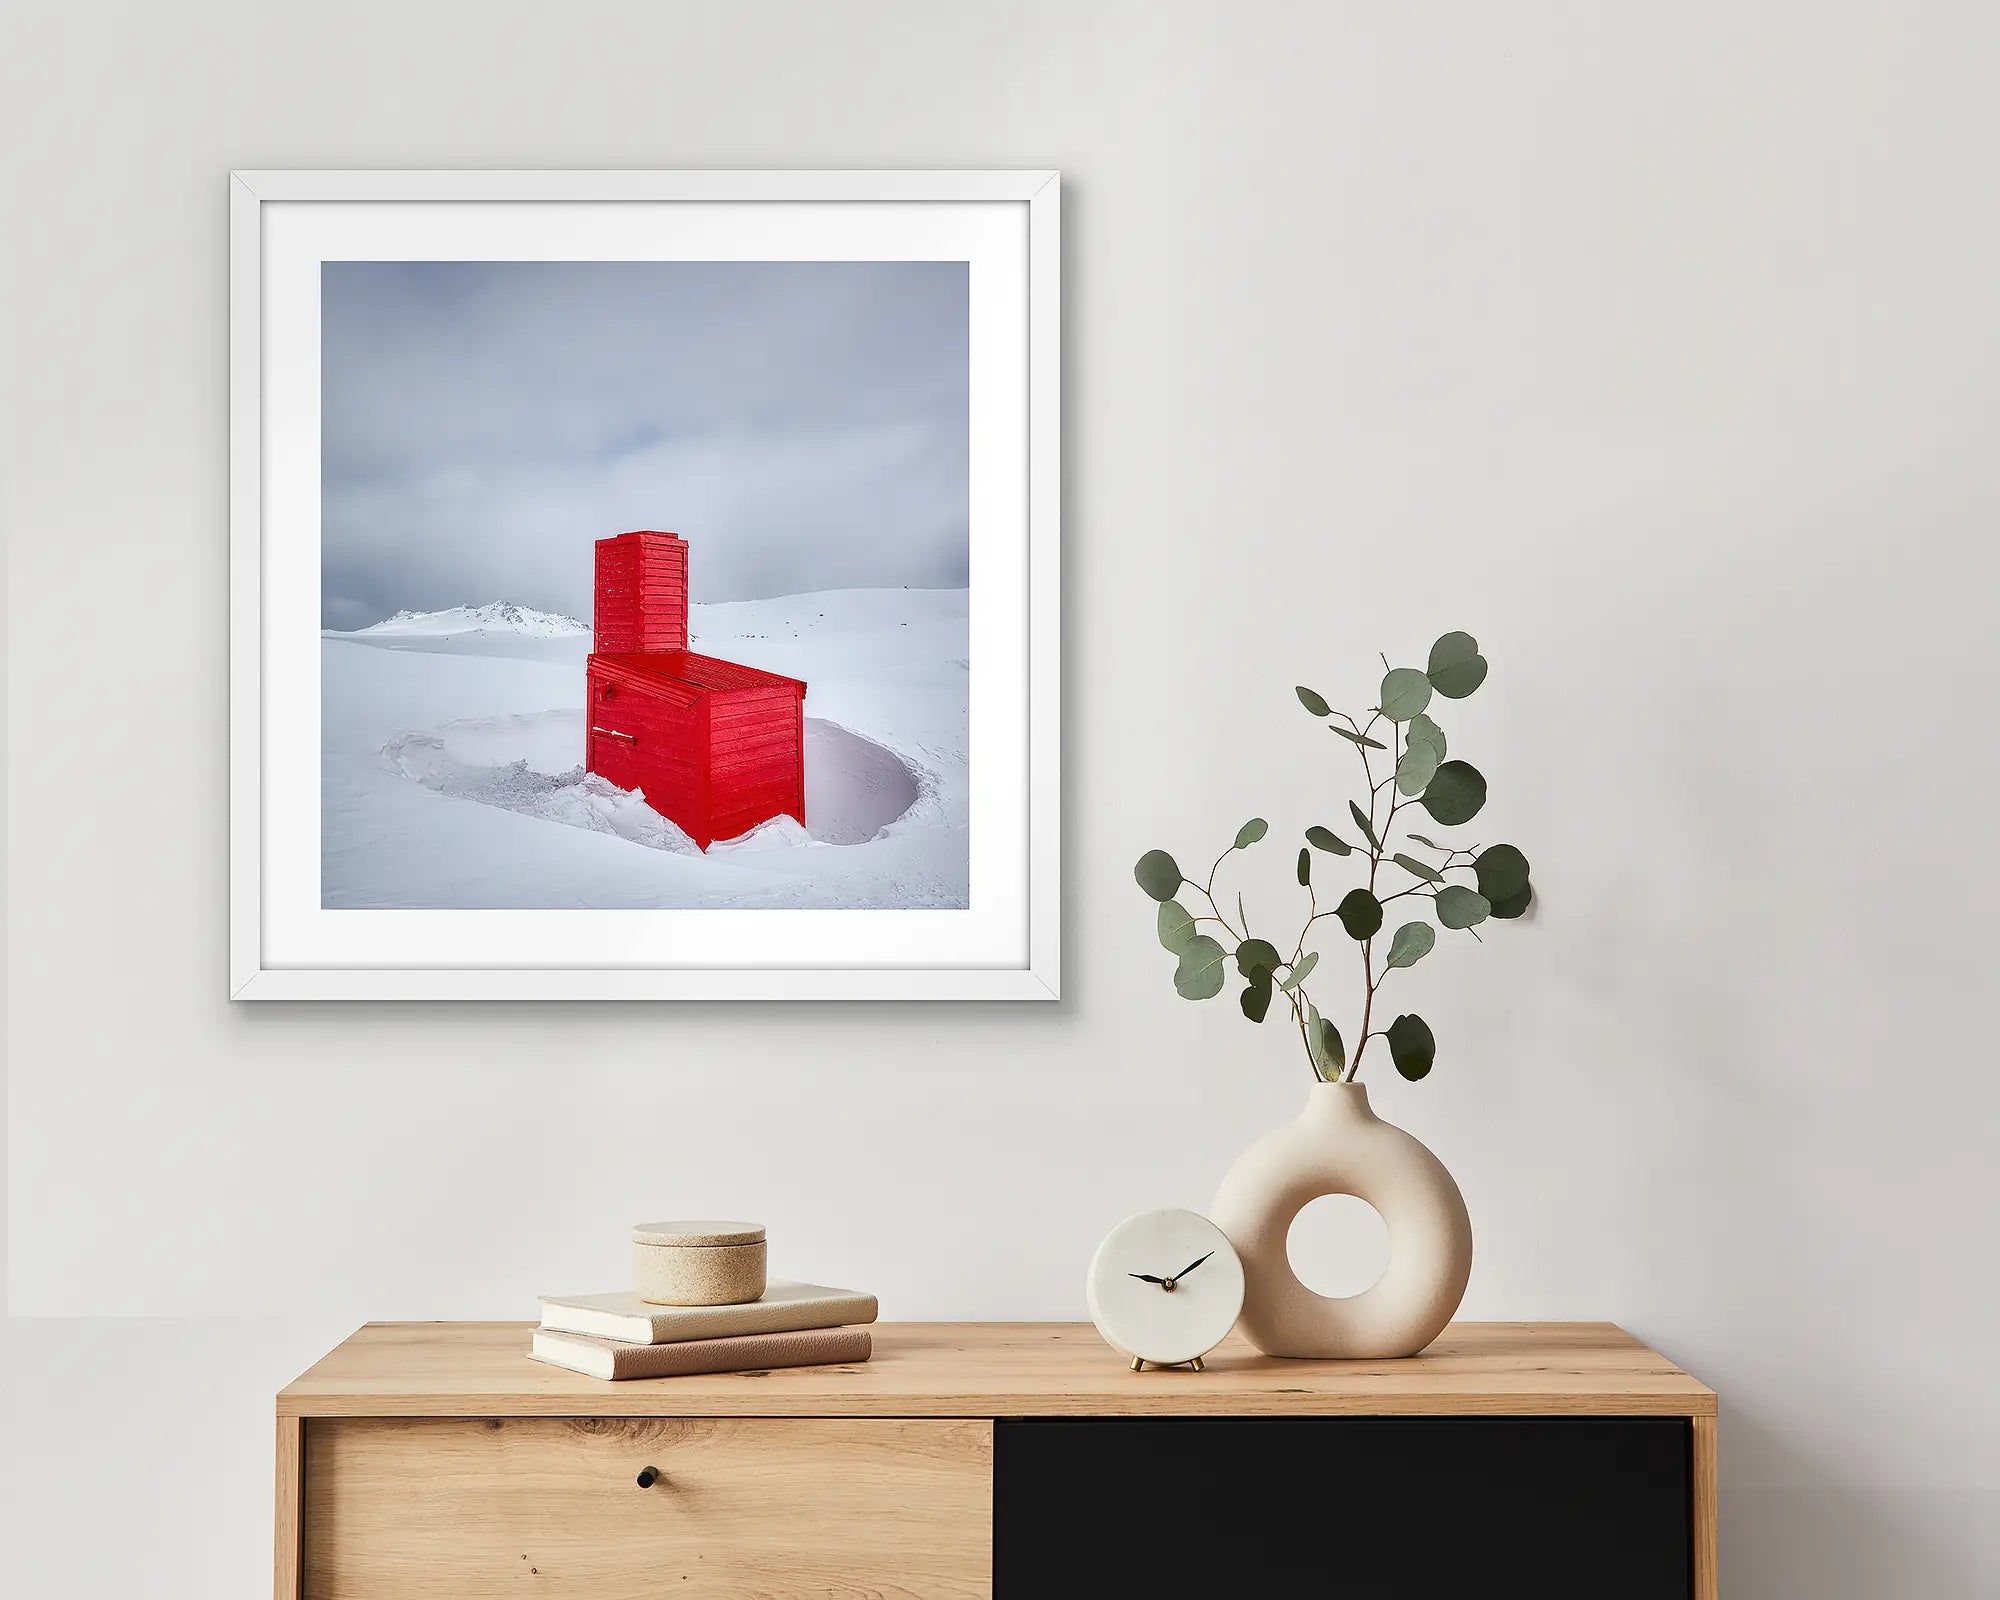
(648, 1476)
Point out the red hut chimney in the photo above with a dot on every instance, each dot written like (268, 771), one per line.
(642, 593)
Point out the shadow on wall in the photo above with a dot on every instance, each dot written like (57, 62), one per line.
(1819, 1538)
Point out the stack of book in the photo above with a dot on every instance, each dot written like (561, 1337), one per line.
(622, 1336)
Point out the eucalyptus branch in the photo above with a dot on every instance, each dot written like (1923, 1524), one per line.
(1452, 792)
(1367, 1006)
(1379, 844)
(1208, 888)
(1216, 913)
(1208, 893)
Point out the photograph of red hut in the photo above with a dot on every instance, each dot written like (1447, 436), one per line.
(715, 747)
(524, 707)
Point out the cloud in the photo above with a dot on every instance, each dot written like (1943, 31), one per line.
(803, 424)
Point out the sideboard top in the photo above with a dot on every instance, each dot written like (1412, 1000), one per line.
(1010, 1369)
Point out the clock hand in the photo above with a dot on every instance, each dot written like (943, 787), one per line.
(1190, 1267)
(1145, 1277)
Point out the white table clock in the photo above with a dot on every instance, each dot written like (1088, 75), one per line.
(1165, 1288)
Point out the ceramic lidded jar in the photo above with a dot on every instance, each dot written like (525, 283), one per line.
(1337, 1145)
(698, 1263)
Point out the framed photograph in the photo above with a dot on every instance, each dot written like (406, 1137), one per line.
(644, 585)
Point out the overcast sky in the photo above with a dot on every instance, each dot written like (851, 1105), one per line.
(801, 424)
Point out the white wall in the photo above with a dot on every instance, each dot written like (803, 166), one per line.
(1655, 345)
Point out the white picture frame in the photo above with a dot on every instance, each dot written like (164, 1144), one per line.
(1005, 945)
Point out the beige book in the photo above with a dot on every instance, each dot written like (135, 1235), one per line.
(785, 1308)
(756, 1352)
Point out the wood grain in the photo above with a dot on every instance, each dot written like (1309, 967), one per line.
(482, 1369)
(402, 1509)
(1702, 1510)
(288, 1533)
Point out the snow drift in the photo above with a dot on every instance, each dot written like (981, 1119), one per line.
(452, 747)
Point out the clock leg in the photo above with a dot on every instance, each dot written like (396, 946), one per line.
(1138, 1365)
(1196, 1364)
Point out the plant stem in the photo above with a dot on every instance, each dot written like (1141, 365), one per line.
(1208, 893)
(1375, 854)
(1214, 867)
(1367, 1008)
(1362, 751)
(1312, 916)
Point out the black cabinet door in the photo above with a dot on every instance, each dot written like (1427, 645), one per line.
(1372, 1508)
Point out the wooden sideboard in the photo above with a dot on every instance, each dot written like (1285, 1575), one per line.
(1018, 1459)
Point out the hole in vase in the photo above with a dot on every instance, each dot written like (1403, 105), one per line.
(1338, 1245)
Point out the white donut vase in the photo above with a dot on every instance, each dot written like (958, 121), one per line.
(1338, 1145)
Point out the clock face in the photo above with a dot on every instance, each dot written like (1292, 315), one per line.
(1165, 1286)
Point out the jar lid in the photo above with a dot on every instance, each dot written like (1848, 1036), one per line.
(685, 1234)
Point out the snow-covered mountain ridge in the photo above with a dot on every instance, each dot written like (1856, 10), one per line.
(497, 617)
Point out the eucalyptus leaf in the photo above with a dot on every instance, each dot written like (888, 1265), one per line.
(1413, 941)
(1450, 649)
(1256, 955)
(1455, 683)
(1422, 728)
(1305, 867)
(1455, 793)
(1256, 997)
(1325, 839)
(1431, 844)
(1360, 914)
(1412, 1046)
(1460, 907)
(1515, 905)
(1313, 701)
(1418, 766)
(1357, 738)
(1331, 1050)
(1367, 828)
(1323, 1044)
(1502, 872)
(1176, 926)
(1301, 972)
(1251, 832)
(1417, 869)
(1201, 971)
(1456, 666)
(1158, 875)
(1405, 693)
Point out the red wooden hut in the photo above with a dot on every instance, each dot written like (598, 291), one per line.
(716, 747)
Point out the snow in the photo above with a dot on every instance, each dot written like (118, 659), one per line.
(452, 747)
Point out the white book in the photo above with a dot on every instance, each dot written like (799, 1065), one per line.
(785, 1308)
(750, 1352)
